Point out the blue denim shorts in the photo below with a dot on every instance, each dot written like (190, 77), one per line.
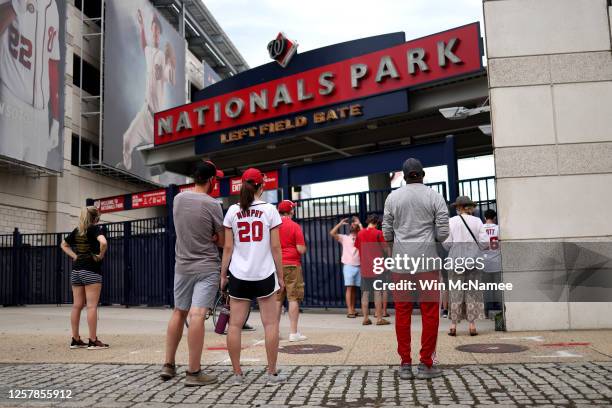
(352, 275)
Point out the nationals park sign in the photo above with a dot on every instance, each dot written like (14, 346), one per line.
(436, 57)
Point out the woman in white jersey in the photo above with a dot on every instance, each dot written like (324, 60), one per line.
(252, 262)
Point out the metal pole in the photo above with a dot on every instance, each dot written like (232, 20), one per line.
(101, 99)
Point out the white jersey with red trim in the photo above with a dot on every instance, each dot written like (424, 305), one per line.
(26, 46)
(252, 257)
(489, 235)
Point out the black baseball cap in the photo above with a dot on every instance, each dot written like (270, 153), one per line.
(204, 170)
(413, 169)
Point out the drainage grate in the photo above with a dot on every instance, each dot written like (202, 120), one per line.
(491, 348)
(310, 349)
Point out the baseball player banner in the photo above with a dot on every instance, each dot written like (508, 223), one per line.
(32, 64)
(144, 73)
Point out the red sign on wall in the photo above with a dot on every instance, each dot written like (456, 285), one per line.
(111, 204)
(216, 192)
(432, 58)
(270, 182)
(149, 199)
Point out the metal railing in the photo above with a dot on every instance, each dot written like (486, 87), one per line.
(139, 266)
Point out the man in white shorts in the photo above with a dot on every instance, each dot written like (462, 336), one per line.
(29, 79)
(161, 67)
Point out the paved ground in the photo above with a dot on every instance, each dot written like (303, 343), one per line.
(137, 335)
(558, 368)
(124, 385)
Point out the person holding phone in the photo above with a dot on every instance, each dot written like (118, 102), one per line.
(252, 269)
(350, 261)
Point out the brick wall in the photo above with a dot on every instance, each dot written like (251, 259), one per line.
(28, 221)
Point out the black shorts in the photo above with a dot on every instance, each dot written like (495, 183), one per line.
(251, 290)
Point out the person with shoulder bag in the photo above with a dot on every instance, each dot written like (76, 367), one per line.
(462, 245)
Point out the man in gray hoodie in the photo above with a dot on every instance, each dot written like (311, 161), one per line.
(415, 218)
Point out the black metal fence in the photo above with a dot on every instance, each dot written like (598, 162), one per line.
(139, 266)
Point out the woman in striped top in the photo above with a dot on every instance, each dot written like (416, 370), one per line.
(86, 246)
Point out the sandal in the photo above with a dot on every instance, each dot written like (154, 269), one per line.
(382, 322)
(366, 322)
(386, 315)
(452, 332)
(351, 315)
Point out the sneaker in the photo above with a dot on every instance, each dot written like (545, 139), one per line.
(274, 379)
(96, 345)
(198, 379)
(424, 372)
(76, 344)
(248, 327)
(168, 371)
(445, 313)
(237, 379)
(297, 337)
(405, 372)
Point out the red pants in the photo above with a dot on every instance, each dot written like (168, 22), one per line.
(429, 302)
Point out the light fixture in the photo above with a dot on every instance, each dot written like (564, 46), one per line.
(461, 112)
(486, 129)
(219, 60)
(197, 34)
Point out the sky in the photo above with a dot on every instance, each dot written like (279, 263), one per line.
(251, 24)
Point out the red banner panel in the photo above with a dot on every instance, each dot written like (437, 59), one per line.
(432, 58)
(216, 192)
(111, 204)
(149, 199)
(270, 182)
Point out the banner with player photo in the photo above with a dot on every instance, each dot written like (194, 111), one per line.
(144, 72)
(32, 65)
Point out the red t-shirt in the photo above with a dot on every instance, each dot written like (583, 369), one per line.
(370, 243)
(291, 236)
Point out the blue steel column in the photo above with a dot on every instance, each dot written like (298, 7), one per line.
(284, 182)
(450, 156)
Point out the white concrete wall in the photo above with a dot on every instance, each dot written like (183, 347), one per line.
(550, 80)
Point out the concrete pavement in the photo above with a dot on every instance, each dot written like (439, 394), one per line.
(342, 364)
(42, 334)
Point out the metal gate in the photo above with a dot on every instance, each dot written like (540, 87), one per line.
(139, 266)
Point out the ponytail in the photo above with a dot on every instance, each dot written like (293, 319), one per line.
(89, 216)
(247, 194)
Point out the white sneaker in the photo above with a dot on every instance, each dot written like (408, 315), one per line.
(237, 379)
(297, 337)
(274, 379)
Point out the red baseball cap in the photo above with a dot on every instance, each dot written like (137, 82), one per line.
(218, 173)
(286, 206)
(253, 175)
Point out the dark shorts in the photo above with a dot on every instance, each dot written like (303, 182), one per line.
(251, 290)
(84, 278)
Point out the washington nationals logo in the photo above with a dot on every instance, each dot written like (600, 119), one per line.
(281, 49)
(276, 47)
